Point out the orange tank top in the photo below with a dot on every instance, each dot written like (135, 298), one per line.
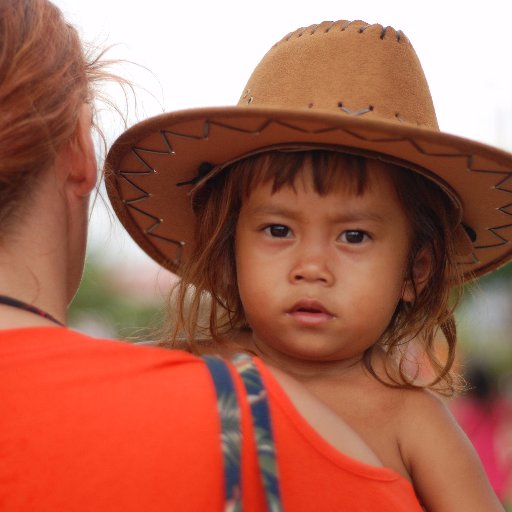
(104, 425)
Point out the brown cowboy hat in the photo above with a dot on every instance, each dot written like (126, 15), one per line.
(349, 86)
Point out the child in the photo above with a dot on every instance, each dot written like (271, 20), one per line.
(327, 219)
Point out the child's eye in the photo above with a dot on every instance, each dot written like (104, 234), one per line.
(353, 236)
(278, 231)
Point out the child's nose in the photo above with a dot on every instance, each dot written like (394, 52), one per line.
(312, 266)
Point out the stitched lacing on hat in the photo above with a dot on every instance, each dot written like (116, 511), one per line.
(312, 29)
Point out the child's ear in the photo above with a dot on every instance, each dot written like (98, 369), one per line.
(415, 283)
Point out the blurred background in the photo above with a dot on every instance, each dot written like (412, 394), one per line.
(201, 53)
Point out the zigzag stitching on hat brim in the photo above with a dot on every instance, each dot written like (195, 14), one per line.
(504, 209)
(145, 195)
(266, 124)
(178, 244)
(500, 187)
(135, 150)
(473, 260)
(156, 220)
(504, 241)
(165, 134)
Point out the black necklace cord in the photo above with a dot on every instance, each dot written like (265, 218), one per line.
(15, 303)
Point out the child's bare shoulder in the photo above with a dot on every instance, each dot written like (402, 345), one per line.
(422, 418)
(423, 404)
(424, 414)
(435, 448)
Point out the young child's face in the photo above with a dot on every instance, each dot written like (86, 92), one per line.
(320, 276)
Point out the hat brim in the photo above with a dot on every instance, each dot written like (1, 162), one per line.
(153, 166)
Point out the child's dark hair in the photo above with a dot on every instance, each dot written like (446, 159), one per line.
(210, 272)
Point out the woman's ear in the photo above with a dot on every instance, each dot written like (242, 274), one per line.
(78, 158)
(421, 269)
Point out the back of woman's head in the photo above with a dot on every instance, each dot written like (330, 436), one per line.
(44, 81)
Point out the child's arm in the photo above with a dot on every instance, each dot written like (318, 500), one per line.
(446, 471)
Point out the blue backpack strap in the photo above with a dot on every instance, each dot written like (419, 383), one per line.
(229, 413)
(262, 427)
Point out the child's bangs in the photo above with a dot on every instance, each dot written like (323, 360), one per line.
(330, 171)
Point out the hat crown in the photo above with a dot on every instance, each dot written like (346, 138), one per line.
(348, 68)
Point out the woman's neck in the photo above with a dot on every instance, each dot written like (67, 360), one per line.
(33, 265)
(29, 274)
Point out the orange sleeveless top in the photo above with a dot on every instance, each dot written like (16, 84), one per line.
(103, 425)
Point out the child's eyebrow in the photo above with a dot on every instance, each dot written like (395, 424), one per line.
(337, 217)
(354, 216)
(268, 209)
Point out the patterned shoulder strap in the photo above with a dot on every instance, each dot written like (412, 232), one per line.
(229, 412)
(231, 442)
(262, 428)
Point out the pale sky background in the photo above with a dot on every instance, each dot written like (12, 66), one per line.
(201, 53)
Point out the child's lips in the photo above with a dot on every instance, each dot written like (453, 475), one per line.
(310, 312)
